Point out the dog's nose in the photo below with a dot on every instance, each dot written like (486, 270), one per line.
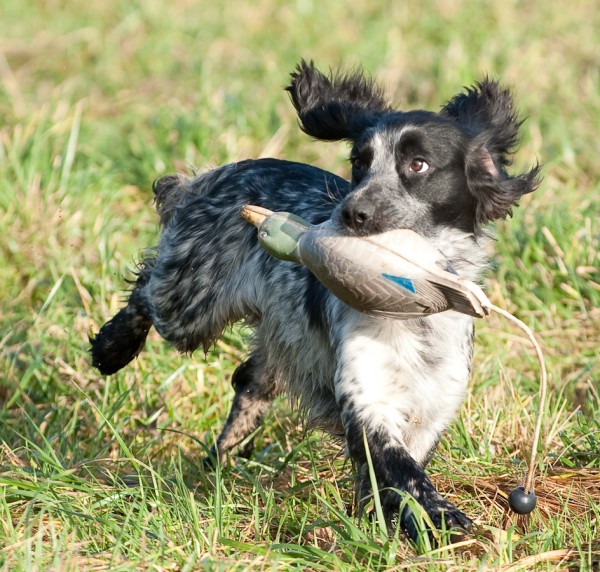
(357, 214)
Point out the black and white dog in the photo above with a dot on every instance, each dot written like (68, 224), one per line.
(393, 384)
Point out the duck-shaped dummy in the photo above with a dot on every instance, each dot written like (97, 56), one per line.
(396, 274)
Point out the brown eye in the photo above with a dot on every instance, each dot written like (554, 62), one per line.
(357, 163)
(419, 166)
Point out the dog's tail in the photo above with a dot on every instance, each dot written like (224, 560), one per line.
(122, 338)
(169, 193)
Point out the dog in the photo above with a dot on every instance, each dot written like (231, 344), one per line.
(388, 387)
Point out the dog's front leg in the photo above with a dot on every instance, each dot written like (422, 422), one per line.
(384, 403)
(396, 472)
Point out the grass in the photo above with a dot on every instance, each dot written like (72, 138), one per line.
(105, 473)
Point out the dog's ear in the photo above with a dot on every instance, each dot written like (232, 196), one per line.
(337, 107)
(487, 115)
(495, 192)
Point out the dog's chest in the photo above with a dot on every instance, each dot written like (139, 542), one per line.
(411, 375)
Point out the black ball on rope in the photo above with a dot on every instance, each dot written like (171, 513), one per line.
(521, 501)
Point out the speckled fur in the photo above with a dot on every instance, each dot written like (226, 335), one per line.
(395, 383)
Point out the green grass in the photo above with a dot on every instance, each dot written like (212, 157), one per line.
(105, 473)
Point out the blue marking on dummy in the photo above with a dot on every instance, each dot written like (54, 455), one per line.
(404, 282)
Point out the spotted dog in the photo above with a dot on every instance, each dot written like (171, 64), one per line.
(392, 384)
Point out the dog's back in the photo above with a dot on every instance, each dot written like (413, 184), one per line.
(208, 270)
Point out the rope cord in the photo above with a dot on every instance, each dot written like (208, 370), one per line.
(543, 391)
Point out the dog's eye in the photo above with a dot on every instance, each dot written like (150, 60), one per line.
(419, 166)
(357, 163)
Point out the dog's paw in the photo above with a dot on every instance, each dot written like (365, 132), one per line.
(443, 515)
(447, 516)
(211, 460)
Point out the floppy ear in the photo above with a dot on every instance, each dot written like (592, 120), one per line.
(495, 192)
(336, 107)
(486, 113)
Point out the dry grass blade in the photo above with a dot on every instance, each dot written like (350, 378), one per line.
(561, 559)
(576, 491)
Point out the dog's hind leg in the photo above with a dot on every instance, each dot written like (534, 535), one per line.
(254, 392)
(122, 338)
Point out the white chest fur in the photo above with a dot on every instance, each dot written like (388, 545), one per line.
(406, 378)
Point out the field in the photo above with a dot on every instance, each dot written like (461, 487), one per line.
(96, 101)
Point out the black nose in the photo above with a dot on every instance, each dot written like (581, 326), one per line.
(357, 214)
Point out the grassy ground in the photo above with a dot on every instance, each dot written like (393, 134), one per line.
(105, 473)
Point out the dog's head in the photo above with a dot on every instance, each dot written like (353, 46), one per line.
(416, 169)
